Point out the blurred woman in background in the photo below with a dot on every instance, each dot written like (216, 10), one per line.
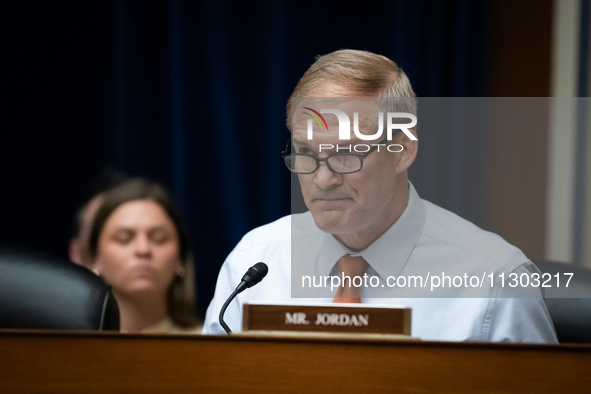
(139, 245)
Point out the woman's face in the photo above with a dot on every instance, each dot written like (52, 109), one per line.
(138, 249)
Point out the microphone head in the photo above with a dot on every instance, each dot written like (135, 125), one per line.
(255, 274)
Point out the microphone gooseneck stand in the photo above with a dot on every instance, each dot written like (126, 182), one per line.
(254, 275)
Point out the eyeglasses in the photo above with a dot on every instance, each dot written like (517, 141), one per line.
(339, 163)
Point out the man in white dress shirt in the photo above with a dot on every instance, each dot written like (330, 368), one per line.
(366, 220)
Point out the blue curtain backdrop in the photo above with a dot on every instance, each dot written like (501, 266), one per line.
(192, 94)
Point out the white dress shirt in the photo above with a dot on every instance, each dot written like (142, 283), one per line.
(425, 241)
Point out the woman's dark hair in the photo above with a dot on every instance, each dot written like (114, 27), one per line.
(181, 294)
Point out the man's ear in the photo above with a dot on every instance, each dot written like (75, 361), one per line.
(409, 151)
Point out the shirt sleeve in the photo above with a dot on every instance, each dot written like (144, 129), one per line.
(522, 319)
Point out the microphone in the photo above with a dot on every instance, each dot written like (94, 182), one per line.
(254, 275)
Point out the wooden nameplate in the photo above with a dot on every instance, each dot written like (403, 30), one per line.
(332, 318)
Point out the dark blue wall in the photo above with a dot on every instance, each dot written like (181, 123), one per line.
(192, 94)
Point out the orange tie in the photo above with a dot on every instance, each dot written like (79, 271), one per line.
(351, 267)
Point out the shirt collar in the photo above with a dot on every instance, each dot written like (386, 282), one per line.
(389, 253)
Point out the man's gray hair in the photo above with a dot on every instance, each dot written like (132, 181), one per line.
(366, 74)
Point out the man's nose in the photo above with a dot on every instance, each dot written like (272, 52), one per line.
(325, 178)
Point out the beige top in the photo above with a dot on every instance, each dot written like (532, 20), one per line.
(167, 326)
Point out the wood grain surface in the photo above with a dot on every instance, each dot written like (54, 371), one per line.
(49, 362)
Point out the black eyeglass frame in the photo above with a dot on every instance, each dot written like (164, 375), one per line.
(361, 156)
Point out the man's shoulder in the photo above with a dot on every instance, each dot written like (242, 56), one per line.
(280, 231)
(445, 227)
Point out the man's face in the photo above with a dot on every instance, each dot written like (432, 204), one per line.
(357, 204)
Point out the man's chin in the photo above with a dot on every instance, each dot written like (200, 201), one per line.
(332, 222)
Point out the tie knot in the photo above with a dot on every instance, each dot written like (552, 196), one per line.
(352, 266)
